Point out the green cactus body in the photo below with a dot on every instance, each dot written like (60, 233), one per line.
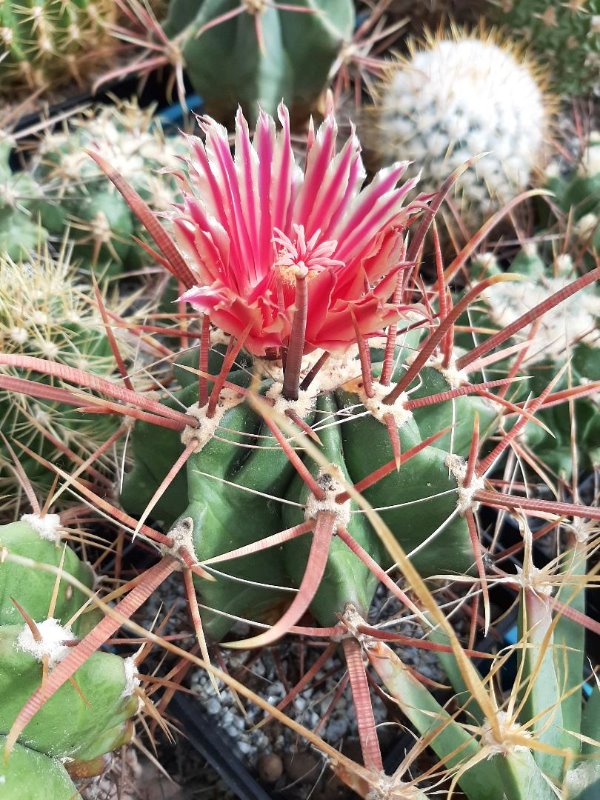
(29, 775)
(20, 196)
(292, 62)
(227, 484)
(45, 312)
(78, 199)
(46, 43)
(69, 724)
(564, 37)
(39, 539)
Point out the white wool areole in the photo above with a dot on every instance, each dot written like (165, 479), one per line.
(459, 99)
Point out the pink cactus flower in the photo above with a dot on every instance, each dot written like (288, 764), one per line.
(251, 223)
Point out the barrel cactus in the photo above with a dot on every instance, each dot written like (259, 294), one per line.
(47, 43)
(267, 264)
(563, 37)
(77, 198)
(40, 619)
(325, 379)
(273, 51)
(45, 311)
(459, 97)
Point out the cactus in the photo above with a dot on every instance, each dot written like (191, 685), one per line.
(20, 196)
(296, 416)
(578, 197)
(85, 719)
(543, 740)
(456, 98)
(273, 53)
(47, 43)
(44, 312)
(563, 37)
(77, 198)
(371, 424)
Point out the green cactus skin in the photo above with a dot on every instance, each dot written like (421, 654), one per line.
(29, 775)
(84, 720)
(67, 725)
(564, 37)
(33, 588)
(78, 199)
(293, 65)
(47, 43)
(45, 312)
(221, 516)
(20, 196)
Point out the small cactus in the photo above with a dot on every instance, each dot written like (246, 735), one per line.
(99, 222)
(456, 98)
(45, 312)
(86, 718)
(272, 52)
(564, 37)
(47, 43)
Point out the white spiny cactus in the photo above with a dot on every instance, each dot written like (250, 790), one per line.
(457, 98)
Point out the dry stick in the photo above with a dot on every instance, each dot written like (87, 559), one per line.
(153, 578)
(530, 316)
(325, 523)
(175, 262)
(361, 698)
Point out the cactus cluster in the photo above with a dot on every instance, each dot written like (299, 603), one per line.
(45, 312)
(41, 617)
(272, 52)
(77, 199)
(47, 43)
(563, 37)
(456, 98)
